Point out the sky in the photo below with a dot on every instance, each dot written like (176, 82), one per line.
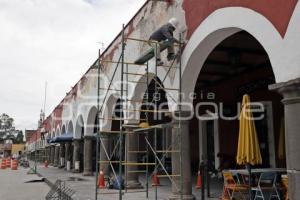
(53, 41)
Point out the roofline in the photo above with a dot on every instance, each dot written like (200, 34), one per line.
(104, 52)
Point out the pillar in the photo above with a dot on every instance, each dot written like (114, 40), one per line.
(62, 155)
(168, 132)
(291, 100)
(131, 144)
(88, 153)
(104, 146)
(56, 156)
(67, 156)
(48, 149)
(185, 158)
(76, 156)
(52, 152)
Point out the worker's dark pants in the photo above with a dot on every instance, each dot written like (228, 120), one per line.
(156, 46)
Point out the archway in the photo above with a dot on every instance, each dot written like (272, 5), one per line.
(236, 66)
(63, 129)
(70, 128)
(91, 130)
(78, 144)
(154, 110)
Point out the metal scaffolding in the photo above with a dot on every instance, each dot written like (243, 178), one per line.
(127, 76)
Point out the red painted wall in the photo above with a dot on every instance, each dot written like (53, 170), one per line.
(278, 12)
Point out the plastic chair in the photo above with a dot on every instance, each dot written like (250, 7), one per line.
(232, 188)
(266, 183)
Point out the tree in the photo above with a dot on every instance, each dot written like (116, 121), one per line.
(7, 129)
(19, 138)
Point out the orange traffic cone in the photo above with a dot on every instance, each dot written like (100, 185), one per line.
(199, 181)
(155, 180)
(8, 162)
(3, 164)
(101, 181)
(14, 165)
(46, 164)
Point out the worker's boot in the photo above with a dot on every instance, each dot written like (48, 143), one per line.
(171, 56)
(159, 62)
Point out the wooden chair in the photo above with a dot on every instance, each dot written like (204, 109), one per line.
(232, 188)
(285, 183)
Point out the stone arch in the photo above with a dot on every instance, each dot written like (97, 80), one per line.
(138, 96)
(217, 27)
(108, 112)
(58, 131)
(91, 120)
(63, 129)
(70, 128)
(79, 127)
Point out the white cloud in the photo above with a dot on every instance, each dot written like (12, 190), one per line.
(54, 41)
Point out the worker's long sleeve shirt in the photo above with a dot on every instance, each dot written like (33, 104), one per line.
(164, 33)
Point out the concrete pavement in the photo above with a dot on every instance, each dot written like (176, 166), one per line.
(85, 187)
(13, 186)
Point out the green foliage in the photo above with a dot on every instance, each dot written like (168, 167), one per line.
(8, 131)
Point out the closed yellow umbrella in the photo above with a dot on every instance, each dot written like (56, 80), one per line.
(248, 145)
(248, 152)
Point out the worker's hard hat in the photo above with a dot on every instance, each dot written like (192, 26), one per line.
(174, 22)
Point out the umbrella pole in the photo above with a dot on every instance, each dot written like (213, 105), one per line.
(248, 166)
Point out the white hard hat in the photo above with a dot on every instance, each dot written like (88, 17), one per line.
(174, 22)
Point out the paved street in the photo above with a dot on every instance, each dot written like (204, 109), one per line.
(13, 186)
(85, 187)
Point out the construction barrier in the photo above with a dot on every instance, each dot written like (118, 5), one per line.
(3, 164)
(8, 163)
(101, 181)
(155, 180)
(14, 165)
(199, 181)
(46, 164)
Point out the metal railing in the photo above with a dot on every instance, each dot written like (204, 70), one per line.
(59, 191)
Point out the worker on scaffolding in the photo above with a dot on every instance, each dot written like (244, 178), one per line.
(165, 34)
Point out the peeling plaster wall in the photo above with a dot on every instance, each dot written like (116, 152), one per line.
(275, 26)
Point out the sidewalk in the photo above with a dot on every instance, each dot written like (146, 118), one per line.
(13, 186)
(85, 187)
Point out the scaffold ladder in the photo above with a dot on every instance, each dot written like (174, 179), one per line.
(159, 154)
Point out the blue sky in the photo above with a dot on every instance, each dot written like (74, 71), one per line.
(54, 41)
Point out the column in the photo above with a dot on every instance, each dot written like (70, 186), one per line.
(52, 152)
(104, 148)
(62, 155)
(76, 156)
(67, 156)
(168, 140)
(131, 144)
(48, 154)
(56, 156)
(88, 153)
(291, 100)
(186, 161)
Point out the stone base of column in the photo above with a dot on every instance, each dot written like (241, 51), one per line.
(76, 167)
(185, 197)
(62, 162)
(88, 173)
(134, 185)
(75, 171)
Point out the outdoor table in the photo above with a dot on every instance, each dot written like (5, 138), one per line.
(256, 172)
